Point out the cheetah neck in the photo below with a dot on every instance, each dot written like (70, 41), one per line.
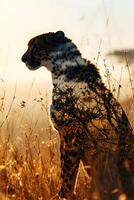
(68, 70)
(66, 67)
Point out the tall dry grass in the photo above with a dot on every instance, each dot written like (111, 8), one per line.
(29, 153)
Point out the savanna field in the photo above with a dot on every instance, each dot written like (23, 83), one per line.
(29, 146)
(30, 159)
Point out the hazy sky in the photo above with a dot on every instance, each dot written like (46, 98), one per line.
(87, 22)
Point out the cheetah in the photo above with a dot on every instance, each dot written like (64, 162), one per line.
(92, 125)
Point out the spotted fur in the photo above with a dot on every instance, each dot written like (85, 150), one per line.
(92, 125)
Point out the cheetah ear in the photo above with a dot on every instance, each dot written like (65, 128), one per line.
(59, 35)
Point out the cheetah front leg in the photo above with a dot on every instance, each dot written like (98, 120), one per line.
(70, 159)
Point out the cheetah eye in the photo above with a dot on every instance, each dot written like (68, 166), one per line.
(37, 52)
(35, 45)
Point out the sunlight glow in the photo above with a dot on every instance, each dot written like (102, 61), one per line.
(87, 23)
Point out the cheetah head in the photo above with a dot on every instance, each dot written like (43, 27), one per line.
(42, 48)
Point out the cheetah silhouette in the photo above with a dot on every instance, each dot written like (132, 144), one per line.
(92, 125)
